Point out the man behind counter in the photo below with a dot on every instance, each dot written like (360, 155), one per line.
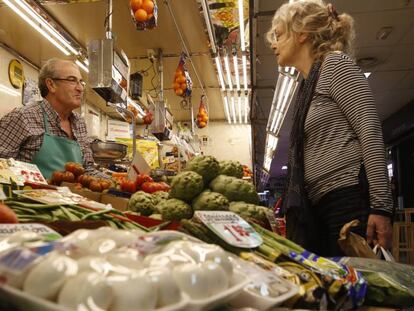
(48, 133)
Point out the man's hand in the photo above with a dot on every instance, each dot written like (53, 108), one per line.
(379, 231)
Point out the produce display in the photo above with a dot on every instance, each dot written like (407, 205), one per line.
(27, 211)
(144, 13)
(120, 270)
(144, 265)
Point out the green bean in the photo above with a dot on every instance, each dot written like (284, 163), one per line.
(95, 214)
(69, 214)
(32, 205)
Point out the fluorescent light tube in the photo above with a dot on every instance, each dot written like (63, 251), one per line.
(208, 23)
(241, 25)
(277, 106)
(9, 91)
(244, 60)
(226, 107)
(220, 73)
(284, 99)
(45, 24)
(239, 106)
(236, 71)
(40, 30)
(82, 66)
(233, 110)
(227, 66)
(246, 107)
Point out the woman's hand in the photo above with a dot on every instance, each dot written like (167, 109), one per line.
(379, 231)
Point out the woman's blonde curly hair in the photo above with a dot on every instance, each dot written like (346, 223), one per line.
(327, 31)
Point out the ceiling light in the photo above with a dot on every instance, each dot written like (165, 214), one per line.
(227, 66)
(246, 107)
(241, 25)
(207, 19)
(28, 9)
(244, 61)
(9, 91)
(239, 106)
(220, 73)
(367, 74)
(236, 71)
(284, 167)
(35, 26)
(82, 66)
(233, 110)
(226, 108)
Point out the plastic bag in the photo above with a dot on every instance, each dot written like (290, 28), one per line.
(202, 115)
(352, 244)
(390, 284)
(382, 253)
(182, 82)
(144, 13)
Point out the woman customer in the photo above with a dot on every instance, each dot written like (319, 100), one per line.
(337, 168)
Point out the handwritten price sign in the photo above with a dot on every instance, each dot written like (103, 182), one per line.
(230, 227)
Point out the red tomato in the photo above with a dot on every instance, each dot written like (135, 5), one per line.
(141, 178)
(151, 187)
(7, 215)
(128, 186)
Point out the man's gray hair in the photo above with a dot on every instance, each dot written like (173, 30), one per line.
(48, 70)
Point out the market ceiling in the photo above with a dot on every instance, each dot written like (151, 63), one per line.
(392, 68)
(84, 20)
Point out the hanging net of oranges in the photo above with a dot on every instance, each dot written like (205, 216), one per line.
(144, 13)
(182, 84)
(202, 115)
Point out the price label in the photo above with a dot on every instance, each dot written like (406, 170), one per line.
(230, 227)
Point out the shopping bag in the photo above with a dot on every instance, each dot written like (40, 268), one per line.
(144, 14)
(182, 84)
(202, 115)
(382, 253)
(354, 245)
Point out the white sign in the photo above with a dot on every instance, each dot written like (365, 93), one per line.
(9, 229)
(230, 227)
(118, 129)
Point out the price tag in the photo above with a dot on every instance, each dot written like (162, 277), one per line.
(230, 227)
(47, 233)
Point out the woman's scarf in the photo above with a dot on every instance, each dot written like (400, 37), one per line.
(295, 194)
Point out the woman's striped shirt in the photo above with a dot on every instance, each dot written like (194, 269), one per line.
(343, 130)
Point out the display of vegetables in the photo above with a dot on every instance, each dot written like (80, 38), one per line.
(235, 189)
(123, 270)
(206, 166)
(231, 168)
(33, 212)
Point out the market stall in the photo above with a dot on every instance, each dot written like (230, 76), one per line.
(243, 263)
(161, 220)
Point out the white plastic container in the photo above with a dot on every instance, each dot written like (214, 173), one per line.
(237, 283)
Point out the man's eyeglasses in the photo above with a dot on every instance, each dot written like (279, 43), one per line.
(71, 80)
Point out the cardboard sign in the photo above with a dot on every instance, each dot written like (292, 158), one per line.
(230, 227)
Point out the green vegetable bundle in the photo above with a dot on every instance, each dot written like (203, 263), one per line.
(36, 212)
